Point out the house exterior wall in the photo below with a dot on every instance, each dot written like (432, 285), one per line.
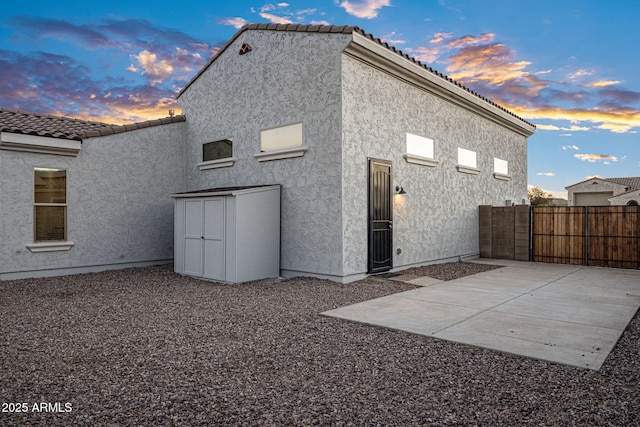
(594, 185)
(287, 78)
(119, 212)
(625, 199)
(438, 217)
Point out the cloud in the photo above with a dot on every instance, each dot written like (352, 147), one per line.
(592, 158)
(234, 22)
(580, 73)
(156, 69)
(603, 83)
(364, 9)
(491, 64)
(440, 37)
(275, 19)
(388, 39)
(593, 176)
(133, 70)
(546, 174)
(471, 41)
(572, 128)
(570, 147)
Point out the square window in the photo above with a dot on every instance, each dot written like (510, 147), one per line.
(467, 158)
(419, 146)
(500, 166)
(420, 150)
(50, 205)
(216, 150)
(281, 138)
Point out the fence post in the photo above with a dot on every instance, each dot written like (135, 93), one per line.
(522, 233)
(485, 223)
(586, 235)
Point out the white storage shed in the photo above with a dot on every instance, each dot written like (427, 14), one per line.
(228, 234)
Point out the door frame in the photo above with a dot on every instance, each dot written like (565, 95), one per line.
(371, 268)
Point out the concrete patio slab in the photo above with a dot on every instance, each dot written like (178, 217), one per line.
(566, 314)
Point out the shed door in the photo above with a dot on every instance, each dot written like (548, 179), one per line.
(204, 238)
(380, 216)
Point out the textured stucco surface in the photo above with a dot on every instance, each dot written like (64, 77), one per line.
(438, 217)
(118, 197)
(287, 78)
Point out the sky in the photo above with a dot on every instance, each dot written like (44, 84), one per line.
(570, 67)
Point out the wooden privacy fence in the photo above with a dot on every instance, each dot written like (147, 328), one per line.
(607, 236)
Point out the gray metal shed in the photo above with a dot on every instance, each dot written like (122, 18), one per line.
(228, 234)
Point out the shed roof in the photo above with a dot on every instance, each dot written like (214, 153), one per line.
(346, 29)
(21, 122)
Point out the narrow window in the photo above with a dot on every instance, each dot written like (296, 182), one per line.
(281, 138)
(50, 205)
(217, 150)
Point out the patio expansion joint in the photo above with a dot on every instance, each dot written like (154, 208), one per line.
(493, 308)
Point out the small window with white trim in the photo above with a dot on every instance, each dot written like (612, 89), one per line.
(420, 150)
(217, 154)
(467, 161)
(281, 143)
(501, 169)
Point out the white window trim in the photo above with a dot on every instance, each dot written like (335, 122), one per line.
(468, 169)
(215, 164)
(281, 154)
(39, 144)
(419, 160)
(501, 176)
(50, 246)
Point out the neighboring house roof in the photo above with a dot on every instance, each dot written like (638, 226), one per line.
(21, 122)
(632, 182)
(345, 29)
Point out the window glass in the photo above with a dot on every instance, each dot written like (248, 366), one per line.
(419, 146)
(281, 138)
(500, 166)
(217, 150)
(50, 204)
(467, 158)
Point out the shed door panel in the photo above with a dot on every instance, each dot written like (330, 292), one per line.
(193, 237)
(213, 233)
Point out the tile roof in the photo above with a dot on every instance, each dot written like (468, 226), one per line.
(67, 128)
(342, 29)
(633, 182)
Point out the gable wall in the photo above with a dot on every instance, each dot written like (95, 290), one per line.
(119, 209)
(438, 217)
(287, 78)
(594, 185)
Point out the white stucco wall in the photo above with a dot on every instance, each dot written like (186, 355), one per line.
(119, 209)
(287, 78)
(438, 217)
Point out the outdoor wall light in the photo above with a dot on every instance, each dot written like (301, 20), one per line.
(400, 190)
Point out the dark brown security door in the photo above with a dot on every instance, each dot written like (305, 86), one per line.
(380, 216)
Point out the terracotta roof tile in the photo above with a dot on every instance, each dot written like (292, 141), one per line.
(343, 29)
(67, 128)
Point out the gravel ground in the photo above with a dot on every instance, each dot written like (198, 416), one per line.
(149, 347)
(449, 270)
